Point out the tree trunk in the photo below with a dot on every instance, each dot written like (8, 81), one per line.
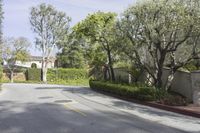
(159, 79)
(11, 76)
(44, 70)
(111, 66)
(169, 81)
(159, 83)
(112, 73)
(172, 72)
(44, 74)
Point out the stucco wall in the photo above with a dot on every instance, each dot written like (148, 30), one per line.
(195, 76)
(182, 83)
(38, 63)
(121, 75)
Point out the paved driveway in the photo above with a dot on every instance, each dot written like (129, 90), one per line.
(26, 108)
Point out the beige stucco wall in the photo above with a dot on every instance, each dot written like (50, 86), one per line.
(182, 83)
(195, 76)
(121, 75)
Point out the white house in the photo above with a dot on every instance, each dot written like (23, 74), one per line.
(37, 60)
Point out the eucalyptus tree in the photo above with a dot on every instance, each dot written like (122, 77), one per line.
(161, 33)
(51, 27)
(99, 29)
(15, 49)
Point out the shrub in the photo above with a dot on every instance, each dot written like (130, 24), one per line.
(33, 74)
(77, 82)
(174, 100)
(140, 93)
(66, 74)
(33, 65)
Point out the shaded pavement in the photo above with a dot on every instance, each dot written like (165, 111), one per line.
(36, 108)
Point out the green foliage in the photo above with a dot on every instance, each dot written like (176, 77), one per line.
(161, 33)
(74, 82)
(99, 29)
(192, 66)
(66, 74)
(33, 74)
(98, 26)
(51, 28)
(15, 49)
(170, 98)
(137, 92)
(69, 76)
(33, 65)
(72, 55)
(60, 76)
(54, 24)
(96, 60)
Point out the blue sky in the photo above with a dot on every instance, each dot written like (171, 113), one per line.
(16, 17)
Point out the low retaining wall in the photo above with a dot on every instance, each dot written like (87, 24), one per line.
(195, 76)
(17, 76)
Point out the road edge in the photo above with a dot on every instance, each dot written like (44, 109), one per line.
(154, 105)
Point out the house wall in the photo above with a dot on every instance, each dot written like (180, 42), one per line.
(38, 63)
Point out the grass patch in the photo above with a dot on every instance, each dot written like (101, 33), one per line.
(77, 82)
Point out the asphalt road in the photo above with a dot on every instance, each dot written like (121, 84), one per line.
(26, 108)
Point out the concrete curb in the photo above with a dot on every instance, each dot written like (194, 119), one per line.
(155, 105)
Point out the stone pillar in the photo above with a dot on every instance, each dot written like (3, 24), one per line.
(195, 77)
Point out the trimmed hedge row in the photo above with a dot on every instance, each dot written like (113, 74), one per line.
(66, 74)
(33, 74)
(140, 93)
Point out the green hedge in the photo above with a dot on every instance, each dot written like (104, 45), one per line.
(60, 75)
(33, 74)
(66, 74)
(140, 93)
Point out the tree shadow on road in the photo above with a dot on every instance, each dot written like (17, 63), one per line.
(145, 110)
(54, 118)
(121, 103)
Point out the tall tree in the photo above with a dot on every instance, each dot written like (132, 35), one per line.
(72, 55)
(50, 26)
(15, 50)
(159, 31)
(100, 29)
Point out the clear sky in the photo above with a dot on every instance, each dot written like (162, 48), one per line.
(16, 13)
